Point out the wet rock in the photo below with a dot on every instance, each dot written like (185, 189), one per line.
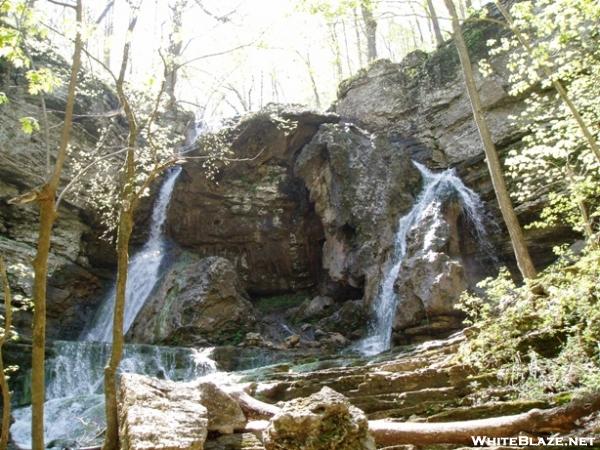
(315, 307)
(359, 184)
(431, 278)
(199, 300)
(323, 421)
(333, 340)
(292, 341)
(253, 339)
(350, 319)
(156, 414)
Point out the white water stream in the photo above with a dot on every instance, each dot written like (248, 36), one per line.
(437, 188)
(143, 272)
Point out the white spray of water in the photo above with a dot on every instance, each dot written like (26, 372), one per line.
(74, 410)
(437, 187)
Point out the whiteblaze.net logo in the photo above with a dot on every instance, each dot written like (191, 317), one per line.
(528, 441)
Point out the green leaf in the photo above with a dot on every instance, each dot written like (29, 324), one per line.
(42, 81)
(29, 125)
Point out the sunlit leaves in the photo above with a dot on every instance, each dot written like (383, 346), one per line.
(554, 164)
(29, 125)
(3, 98)
(42, 81)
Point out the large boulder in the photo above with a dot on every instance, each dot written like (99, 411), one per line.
(431, 277)
(360, 184)
(155, 414)
(323, 421)
(160, 414)
(198, 301)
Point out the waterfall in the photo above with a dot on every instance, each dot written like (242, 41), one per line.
(143, 271)
(437, 187)
(74, 407)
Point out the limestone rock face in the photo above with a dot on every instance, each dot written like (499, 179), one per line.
(258, 215)
(431, 277)
(157, 414)
(359, 184)
(198, 301)
(77, 256)
(323, 421)
(423, 99)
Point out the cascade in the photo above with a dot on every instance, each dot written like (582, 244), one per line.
(437, 188)
(74, 407)
(143, 272)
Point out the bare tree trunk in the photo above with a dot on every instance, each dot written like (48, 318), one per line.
(335, 45)
(494, 166)
(111, 441)
(175, 46)
(358, 39)
(418, 23)
(388, 433)
(435, 23)
(346, 47)
(562, 92)
(366, 7)
(311, 76)
(6, 335)
(558, 419)
(588, 230)
(46, 200)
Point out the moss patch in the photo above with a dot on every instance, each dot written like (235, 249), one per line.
(277, 303)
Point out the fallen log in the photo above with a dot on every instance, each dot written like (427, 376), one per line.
(559, 419)
(253, 408)
(388, 433)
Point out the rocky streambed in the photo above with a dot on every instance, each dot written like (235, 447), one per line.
(335, 402)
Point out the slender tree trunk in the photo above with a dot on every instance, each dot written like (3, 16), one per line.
(311, 75)
(358, 39)
(418, 23)
(175, 46)
(462, 10)
(435, 23)
(111, 440)
(560, 89)
(347, 49)
(494, 166)
(366, 8)
(6, 335)
(46, 200)
(588, 230)
(335, 45)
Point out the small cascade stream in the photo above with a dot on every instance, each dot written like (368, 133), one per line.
(437, 188)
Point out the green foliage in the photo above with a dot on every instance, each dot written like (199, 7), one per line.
(555, 162)
(18, 23)
(42, 81)
(29, 125)
(540, 343)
